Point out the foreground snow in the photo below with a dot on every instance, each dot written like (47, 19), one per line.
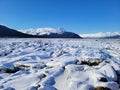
(59, 64)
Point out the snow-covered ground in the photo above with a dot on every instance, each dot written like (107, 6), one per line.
(59, 64)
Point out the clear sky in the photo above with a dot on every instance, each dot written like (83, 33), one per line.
(80, 16)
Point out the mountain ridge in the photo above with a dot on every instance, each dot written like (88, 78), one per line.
(6, 32)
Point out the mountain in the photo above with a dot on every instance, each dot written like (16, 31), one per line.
(102, 35)
(51, 33)
(40, 33)
(44, 31)
(8, 32)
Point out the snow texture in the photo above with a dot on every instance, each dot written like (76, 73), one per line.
(59, 64)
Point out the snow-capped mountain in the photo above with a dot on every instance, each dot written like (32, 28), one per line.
(51, 33)
(101, 35)
(44, 31)
(38, 33)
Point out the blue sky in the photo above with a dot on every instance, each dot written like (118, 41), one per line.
(80, 16)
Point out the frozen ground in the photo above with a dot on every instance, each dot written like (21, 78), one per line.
(59, 64)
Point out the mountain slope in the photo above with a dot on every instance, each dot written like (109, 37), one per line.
(63, 35)
(7, 32)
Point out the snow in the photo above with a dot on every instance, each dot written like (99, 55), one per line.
(59, 64)
(109, 72)
(99, 35)
(62, 61)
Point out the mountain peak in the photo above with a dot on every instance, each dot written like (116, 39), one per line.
(44, 31)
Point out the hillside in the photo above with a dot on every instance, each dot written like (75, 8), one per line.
(8, 32)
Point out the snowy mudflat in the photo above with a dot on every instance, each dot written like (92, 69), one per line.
(59, 64)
